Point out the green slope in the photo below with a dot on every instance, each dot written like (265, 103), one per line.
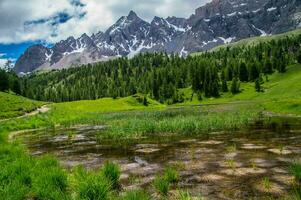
(282, 93)
(85, 109)
(13, 106)
(78, 112)
(255, 40)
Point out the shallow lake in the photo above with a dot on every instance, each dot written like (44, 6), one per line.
(250, 163)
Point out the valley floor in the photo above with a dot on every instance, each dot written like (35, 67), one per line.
(128, 118)
(281, 94)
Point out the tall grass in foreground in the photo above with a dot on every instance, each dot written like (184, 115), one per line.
(91, 185)
(171, 175)
(162, 186)
(24, 177)
(163, 183)
(112, 172)
(295, 170)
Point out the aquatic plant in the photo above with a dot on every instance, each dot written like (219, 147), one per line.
(111, 171)
(266, 183)
(231, 148)
(126, 125)
(171, 175)
(193, 153)
(185, 195)
(134, 179)
(231, 164)
(135, 195)
(161, 185)
(91, 185)
(179, 165)
(295, 170)
(253, 164)
(281, 148)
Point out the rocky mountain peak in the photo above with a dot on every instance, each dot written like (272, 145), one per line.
(132, 16)
(218, 22)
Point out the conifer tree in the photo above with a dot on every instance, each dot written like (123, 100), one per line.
(257, 85)
(243, 72)
(235, 86)
(4, 80)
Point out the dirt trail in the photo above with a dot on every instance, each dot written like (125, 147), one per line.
(42, 109)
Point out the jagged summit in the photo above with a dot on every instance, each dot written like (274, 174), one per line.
(218, 22)
(132, 15)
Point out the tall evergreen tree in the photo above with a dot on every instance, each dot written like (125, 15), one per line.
(254, 73)
(299, 57)
(4, 80)
(257, 85)
(243, 72)
(235, 86)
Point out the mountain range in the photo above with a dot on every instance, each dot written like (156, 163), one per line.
(216, 23)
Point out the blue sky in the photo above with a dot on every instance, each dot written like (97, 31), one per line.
(49, 21)
(12, 51)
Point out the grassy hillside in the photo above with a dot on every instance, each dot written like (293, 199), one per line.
(79, 112)
(13, 106)
(281, 93)
(256, 40)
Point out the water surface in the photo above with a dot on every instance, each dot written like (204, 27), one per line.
(220, 165)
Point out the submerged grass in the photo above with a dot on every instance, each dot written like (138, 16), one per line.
(182, 121)
(131, 124)
(135, 195)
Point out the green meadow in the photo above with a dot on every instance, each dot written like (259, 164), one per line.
(25, 177)
(13, 106)
(280, 94)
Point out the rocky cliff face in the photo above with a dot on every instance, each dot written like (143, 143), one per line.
(216, 23)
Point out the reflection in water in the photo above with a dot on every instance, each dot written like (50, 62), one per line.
(236, 165)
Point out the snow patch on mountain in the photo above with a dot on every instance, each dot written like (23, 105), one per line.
(227, 40)
(48, 56)
(271, 9)
(263, 33)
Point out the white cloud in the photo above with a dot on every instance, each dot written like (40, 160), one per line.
(3, 59)
(2, 62)
(100, 14)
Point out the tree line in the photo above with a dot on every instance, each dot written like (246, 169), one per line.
(161, 76)
(9, 81)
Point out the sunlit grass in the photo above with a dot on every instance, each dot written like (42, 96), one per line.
(13, 106)
(162, 186)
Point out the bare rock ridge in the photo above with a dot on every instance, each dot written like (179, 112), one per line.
(218, 22)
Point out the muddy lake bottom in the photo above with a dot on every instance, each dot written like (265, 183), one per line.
(248, 164)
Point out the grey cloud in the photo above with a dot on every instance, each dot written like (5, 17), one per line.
(99, 15)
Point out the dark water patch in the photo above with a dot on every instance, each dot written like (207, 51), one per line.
(251, 163)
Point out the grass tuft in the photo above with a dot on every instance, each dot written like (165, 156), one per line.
(91, 186)
(112, 172)
(162, 186)
(171, 175)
